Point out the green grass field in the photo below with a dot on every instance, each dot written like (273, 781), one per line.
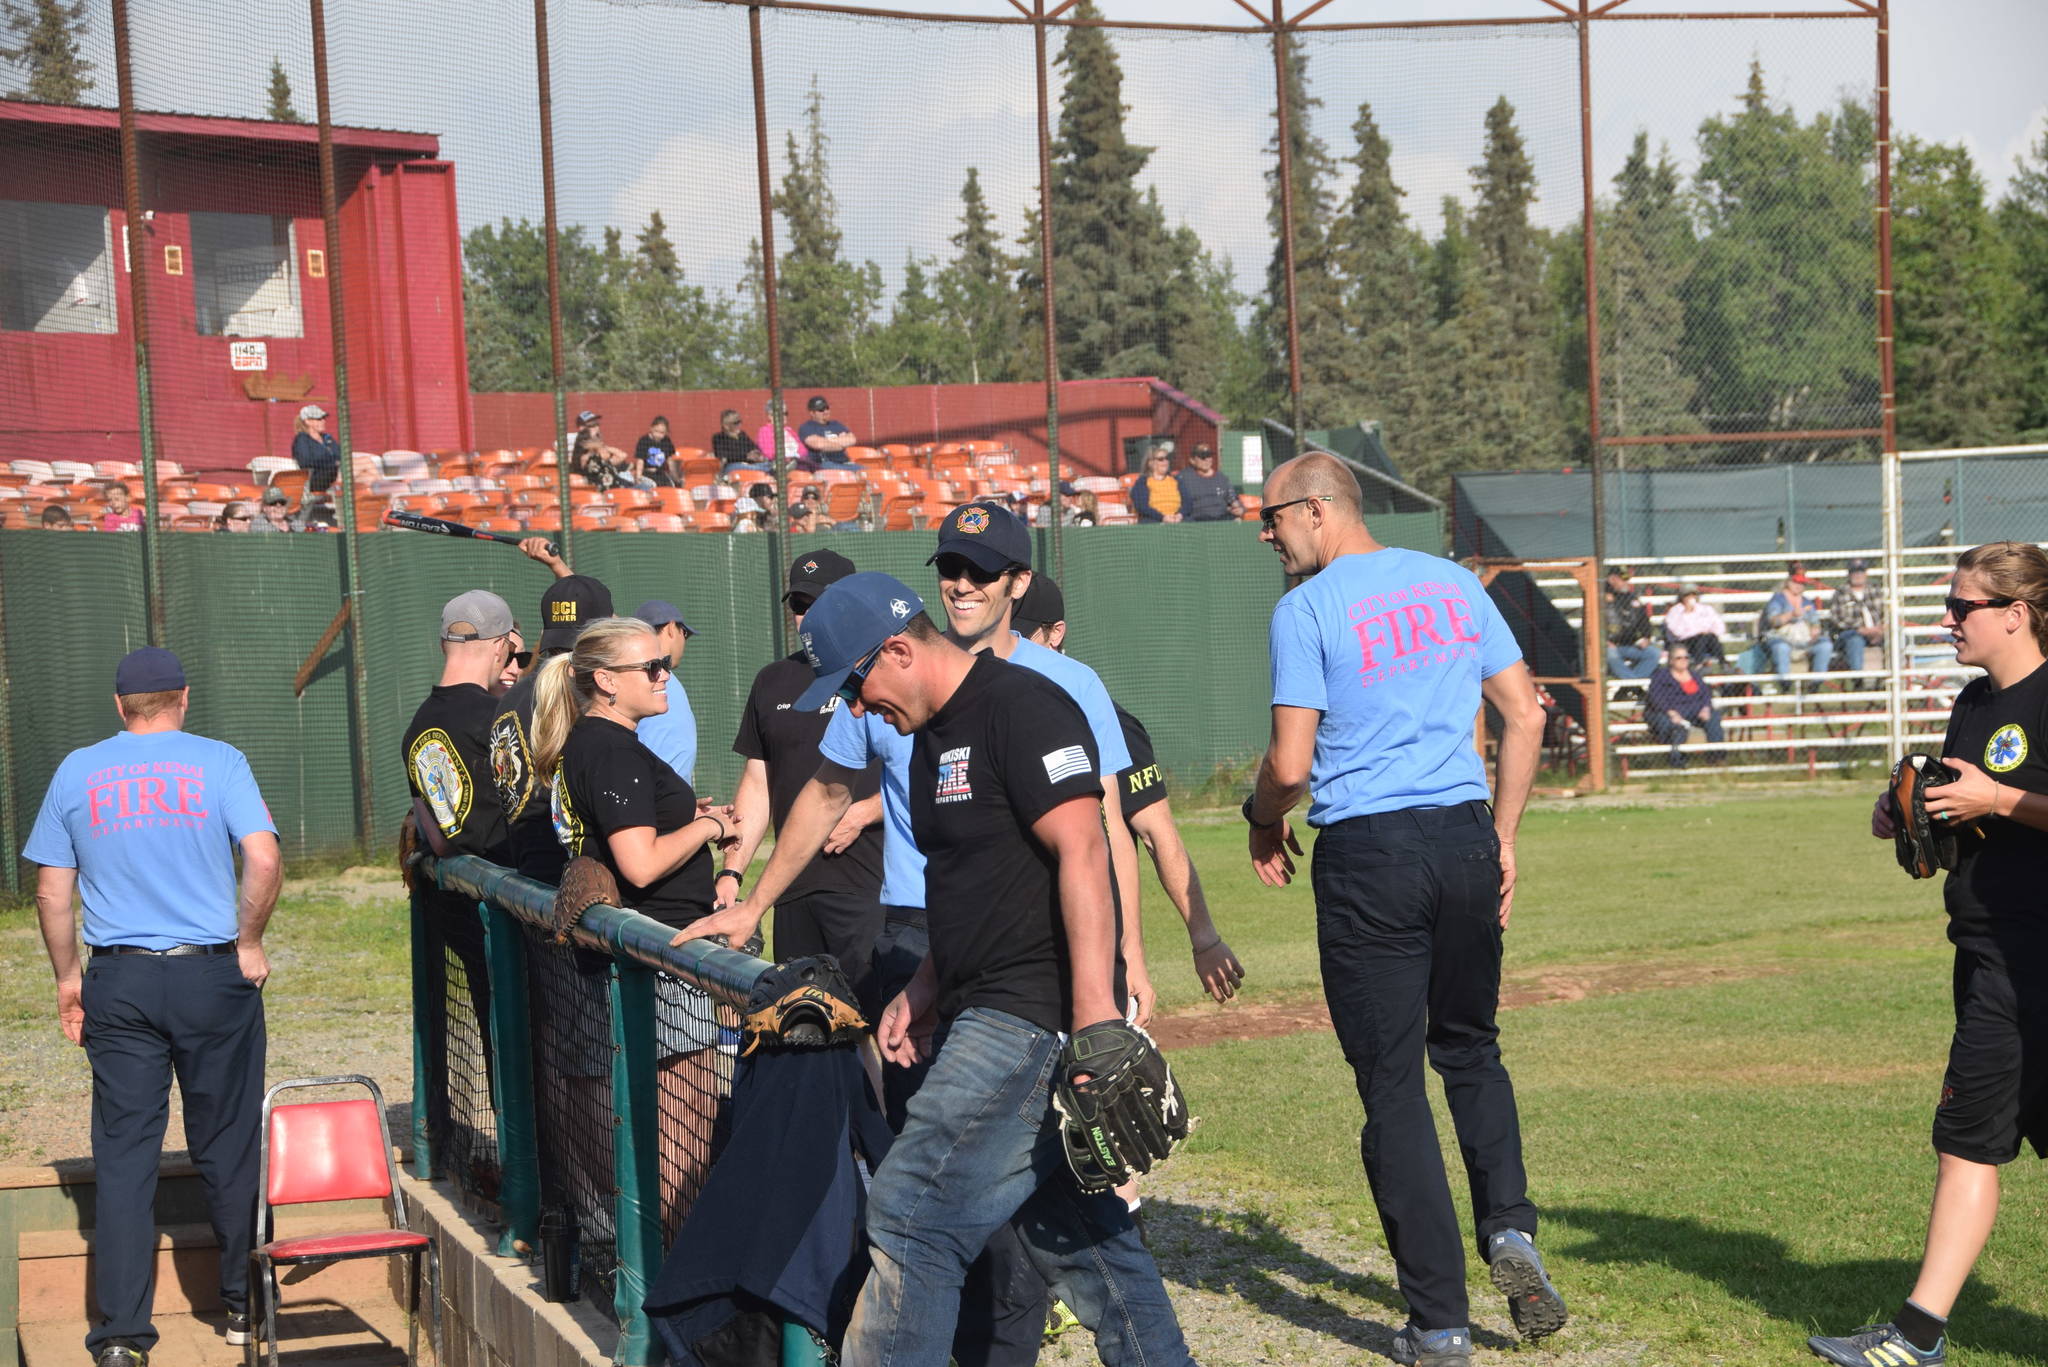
(1725, 1091)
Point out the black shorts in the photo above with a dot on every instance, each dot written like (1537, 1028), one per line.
(1995, 1093)
(842, 924)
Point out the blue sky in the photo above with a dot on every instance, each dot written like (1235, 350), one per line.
(652, 99)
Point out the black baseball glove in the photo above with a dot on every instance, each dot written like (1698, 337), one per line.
(807, 1003)
(1925, 846)
(585, 883)
(1129, 1112)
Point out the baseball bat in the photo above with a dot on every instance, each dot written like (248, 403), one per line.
(415, 522)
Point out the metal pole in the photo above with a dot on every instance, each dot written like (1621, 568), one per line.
(636, 1175)
(138, 318)
(427, 968)
(512, 1076)
(546, 100)
(1596, 637)
(777, 412)
(351, 541)
(1894, 509)
(1287, 226)
(1047, 306)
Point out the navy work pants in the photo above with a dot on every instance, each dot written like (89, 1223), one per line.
(1407, 920)
(147, 1018)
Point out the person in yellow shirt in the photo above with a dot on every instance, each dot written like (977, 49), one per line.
(1156, 495)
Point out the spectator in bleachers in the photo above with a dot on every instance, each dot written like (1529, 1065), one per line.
(1206, 493)
(1791, 624)
(1856, 615)
(791, 446)
(238, 516)
(733, 447)
(804, 519)
(1696, 625)
(748, 516)
(1085, 510)
(1680, 700)
(763, 494)
(1627, 626)
(56, 518)
(121, 515)
(1156, 495)
(315, 450)
(654, 456)
(825, 440)
(318, 517)
(811, 503)
(274, 512)
(604, 465)
(1061, 502)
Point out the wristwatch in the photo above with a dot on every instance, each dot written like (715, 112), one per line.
(737, 876)
(1253, 822)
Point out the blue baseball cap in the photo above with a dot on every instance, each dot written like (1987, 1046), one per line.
(151, 669)
(988, 534)
(847, 625)
(658, 612)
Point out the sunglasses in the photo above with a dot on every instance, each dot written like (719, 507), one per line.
(850, 690)
(522, 658)
(653, 668)
(960, 567)
(243, 517)
(1959, 608)
(1267, 514)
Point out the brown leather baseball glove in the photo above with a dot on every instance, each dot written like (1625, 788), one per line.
(411, 849)
(585, 884)
(807, 1003)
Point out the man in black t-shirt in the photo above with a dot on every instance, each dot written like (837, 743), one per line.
(835, 905)
(1005, 801)
(569, 605)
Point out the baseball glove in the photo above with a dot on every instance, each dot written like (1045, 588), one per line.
(1127, 1115)
(411, 849)
(1925, 846)
(806, 1003)
(585, 884)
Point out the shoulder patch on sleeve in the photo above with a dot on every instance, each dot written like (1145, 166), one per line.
(1070, 761)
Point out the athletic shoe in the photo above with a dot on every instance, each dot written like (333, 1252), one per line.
(1059, 1319)
(1517, 1269)
(238, 1329)
(121, 1353)
(1876, 1345)
(1432, 1347)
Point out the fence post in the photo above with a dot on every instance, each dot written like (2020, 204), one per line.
(1894, 475)
(1048, 309)
(426, 1019)
(512, 1076)
(1285, 131)
(635, 1174)
(771, 318)
(136, 234)
(1588, 240)
(545, 102)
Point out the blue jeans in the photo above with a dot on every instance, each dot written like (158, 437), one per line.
(1631, 662)
(982, 1147)
(1408, 925)
(1852, 645)
(1819, 652)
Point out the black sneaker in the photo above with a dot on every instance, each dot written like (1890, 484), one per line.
(1517, 1270)
(1876, 1345)
(120, 1353)
(237, 1332)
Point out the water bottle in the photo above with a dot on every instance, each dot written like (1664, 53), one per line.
(561, 1256)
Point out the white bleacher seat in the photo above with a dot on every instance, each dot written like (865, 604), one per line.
(431, 486)
(382, 488)
(263, 468)
(38, 471)
(198, 508)
(71, 471)
(1099, 484)
(407, 465)
(120, 469)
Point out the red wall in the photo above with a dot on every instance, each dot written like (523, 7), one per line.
(1096, 416)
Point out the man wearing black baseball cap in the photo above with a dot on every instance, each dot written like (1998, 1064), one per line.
(1006, 803)
(570, 604)
(824, 439)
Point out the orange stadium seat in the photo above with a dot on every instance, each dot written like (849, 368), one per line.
(120, 469)
(191, 522)
(662, 522)
(586, 521)
(673, 500)
(1252, 504)
(700, 469)
(843, 502)
(547, 518)
(635, 499)
(714, 522)
(217, 492)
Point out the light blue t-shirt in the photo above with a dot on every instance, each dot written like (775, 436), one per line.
(1391, 648)
(150, 822)
(855, 742)
(1084, 686)
(673, 734)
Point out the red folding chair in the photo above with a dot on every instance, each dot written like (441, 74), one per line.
(328, 1151)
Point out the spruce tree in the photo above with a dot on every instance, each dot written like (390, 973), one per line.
(656, 252)
(974, 296)
(2023, 219)
(1520, 403)
(505, 307)
(280, 109)
(1958, 354)
(47, 34)
(1646, 251)
(1379, 261)
(827, 305)
(1328, 352)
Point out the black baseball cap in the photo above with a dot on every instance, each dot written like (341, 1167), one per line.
(1041, 605)
(811, 572)
(990, 535)
(818, 401)
(151, 669)
(846, 625)
(570, 605)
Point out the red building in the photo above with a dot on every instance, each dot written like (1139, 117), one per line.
(237, 256)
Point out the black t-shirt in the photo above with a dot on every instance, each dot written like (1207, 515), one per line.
(609, 782)
(1996, 884)
(1007, 748)
(1143, 784)
(657, 458)
(531, 847)
(731, 447)
(773, 731)
(448, 763)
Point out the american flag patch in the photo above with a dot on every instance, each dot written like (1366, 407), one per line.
(1069, 762)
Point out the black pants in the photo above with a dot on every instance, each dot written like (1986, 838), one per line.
(455, 925)
(146, 1018)
(1407, 919)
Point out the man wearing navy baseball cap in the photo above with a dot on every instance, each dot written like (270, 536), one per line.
(1006, 802)
(143, 827)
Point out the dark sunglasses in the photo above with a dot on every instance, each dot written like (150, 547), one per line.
(1267, 514)
(243, 517)
(522, 658)
(960, 567)
(653, 668)
(1959, 608)
(850, 690)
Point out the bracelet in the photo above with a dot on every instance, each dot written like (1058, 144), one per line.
(1252, 821)
(717, 821)
(737, 876)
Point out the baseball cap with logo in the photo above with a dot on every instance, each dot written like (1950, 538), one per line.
(819, 403)
(311, 411)
(986, 533)
(811, 572)
(1041, 605)
(151, 669)
(568, 606)
(659, 612)
(478, 615)
(586, 417)
(847, 625)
